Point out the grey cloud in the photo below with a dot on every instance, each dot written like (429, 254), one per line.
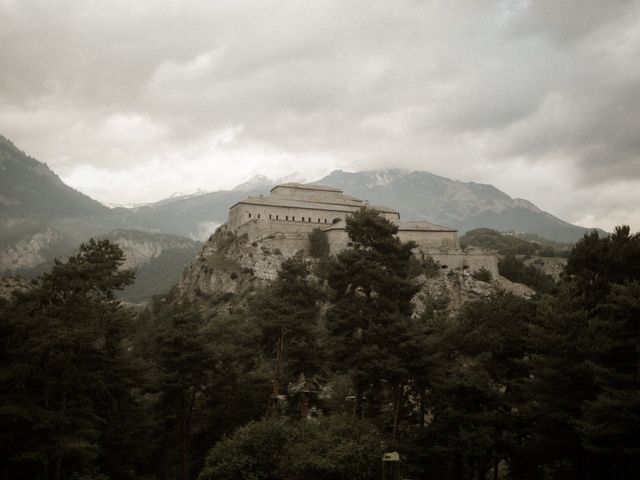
(438, 85)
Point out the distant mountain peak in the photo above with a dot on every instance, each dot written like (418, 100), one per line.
(188, 193)
(30, 188)
(463, 205)
(253, 183)
(385, 177)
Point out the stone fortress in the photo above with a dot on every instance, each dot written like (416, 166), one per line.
(285, 218)
(297, 209)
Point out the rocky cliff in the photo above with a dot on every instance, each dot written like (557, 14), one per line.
(29, 252)
(230, 267)
(140, 248)
(10, 285)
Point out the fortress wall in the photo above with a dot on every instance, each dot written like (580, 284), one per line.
(242, 213)
(258, 229)
(338, 240)
(287, 244)
(318, 217)
(431, 240)
(393, 217)
(291, 237)
(237, 215)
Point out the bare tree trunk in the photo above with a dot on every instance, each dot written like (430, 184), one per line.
(396, 411)
(274, 407)
(422, 406)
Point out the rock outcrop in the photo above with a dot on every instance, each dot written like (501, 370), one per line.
(9, 285)
(140, 248)
(231, 264)
(231, 267)
(29, 252)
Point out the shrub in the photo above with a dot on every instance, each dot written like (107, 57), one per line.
(482, 275)
(515, 270)
(318, 244)
(335, 447)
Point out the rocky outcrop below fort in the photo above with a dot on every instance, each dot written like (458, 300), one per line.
(230, 267)
(449, 290)
(230, 264)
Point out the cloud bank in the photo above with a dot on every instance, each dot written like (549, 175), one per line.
(131, 101)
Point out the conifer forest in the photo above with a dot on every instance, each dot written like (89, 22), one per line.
(322, 371)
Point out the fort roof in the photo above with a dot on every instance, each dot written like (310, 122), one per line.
(402, 226)
(322, 188)
(347, 205)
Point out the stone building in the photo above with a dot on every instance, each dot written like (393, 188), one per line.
(293, 210)
(300, 204)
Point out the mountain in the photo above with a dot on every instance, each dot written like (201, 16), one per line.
(41, 219)
(194, 216)
(40, 216)
(29, 187)
(465, 206)
(416, 195)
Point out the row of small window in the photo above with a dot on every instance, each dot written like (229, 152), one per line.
(293, 219)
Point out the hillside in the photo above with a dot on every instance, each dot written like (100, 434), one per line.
(416, 195)
(194, 216)
(513, 244)
(29, 187)
(42, 218)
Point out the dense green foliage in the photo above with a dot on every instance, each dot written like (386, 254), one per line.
(597, 263)
(286, 317)
(482, 274)
(542, 388)
(514, 269)
(65, 377)
(370, 330)
(513, 244)
(338, 447)
(318, 244)
(159, 275)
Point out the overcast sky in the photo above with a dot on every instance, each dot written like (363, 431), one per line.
(130, 101)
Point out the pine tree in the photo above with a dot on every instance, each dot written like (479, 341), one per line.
(286, 314)
(205, 382)
(370, 326)
(64, 390)
(185, 386)
(611, 421)
(476, 423)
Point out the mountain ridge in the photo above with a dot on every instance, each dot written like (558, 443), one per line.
(42, 218)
